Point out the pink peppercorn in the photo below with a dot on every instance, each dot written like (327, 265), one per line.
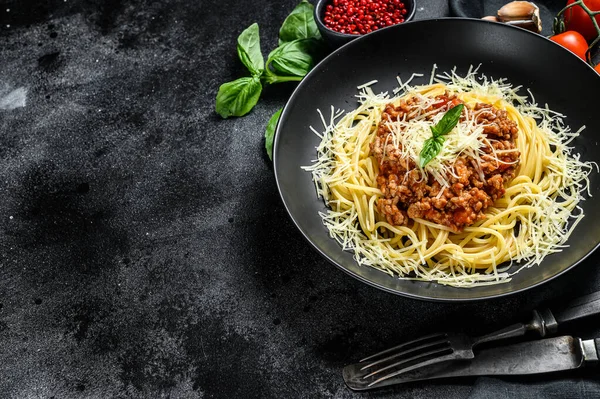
(359, 17)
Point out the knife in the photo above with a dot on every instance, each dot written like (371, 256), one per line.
(534, 357)
(416, 355)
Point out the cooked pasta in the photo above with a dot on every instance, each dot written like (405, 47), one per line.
(504, 187)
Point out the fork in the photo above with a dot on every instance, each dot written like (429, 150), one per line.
(373, 370)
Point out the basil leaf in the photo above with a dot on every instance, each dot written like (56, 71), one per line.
(293, 58)
(433, 145)
(300, 24)
(237, 98)
(248, 49)
(448, 121)
(270, 133)
(431, 148)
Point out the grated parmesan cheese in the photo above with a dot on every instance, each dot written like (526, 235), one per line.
(532, 220)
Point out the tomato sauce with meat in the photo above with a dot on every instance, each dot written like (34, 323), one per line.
(474, 185)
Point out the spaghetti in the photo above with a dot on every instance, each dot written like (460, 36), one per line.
(529, 215)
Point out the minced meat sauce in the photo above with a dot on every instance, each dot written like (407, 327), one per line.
(408, 195)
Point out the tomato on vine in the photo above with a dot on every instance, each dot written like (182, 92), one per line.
(572, 41)
(577, 19)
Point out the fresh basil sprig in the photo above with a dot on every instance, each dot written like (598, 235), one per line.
(270, 133)
(300, 24)
(291, 59)
(300, 46)
(248, 49)
(433, 145)
(237, 98)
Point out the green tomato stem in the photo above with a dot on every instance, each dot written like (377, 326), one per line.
(560, 17)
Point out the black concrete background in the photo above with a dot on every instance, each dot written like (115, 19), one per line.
(144, 251)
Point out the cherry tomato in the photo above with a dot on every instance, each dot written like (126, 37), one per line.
(578, 20)
(597, 68)
(572, 41)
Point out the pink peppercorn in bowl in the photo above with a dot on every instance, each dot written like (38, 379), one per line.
(341, 21)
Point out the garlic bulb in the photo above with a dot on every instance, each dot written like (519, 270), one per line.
(521, 13)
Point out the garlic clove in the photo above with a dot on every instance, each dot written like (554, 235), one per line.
(524, 14)
(518, 10)
(490, 18)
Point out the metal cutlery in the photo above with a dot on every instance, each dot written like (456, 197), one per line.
(443, 347)
(532, 357)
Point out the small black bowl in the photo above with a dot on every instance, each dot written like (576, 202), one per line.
(336, 39)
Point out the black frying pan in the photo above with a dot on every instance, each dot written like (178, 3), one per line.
(554, 75)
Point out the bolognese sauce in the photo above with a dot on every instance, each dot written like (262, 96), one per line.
(473, 184)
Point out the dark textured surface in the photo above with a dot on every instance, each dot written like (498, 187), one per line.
(144, 250)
